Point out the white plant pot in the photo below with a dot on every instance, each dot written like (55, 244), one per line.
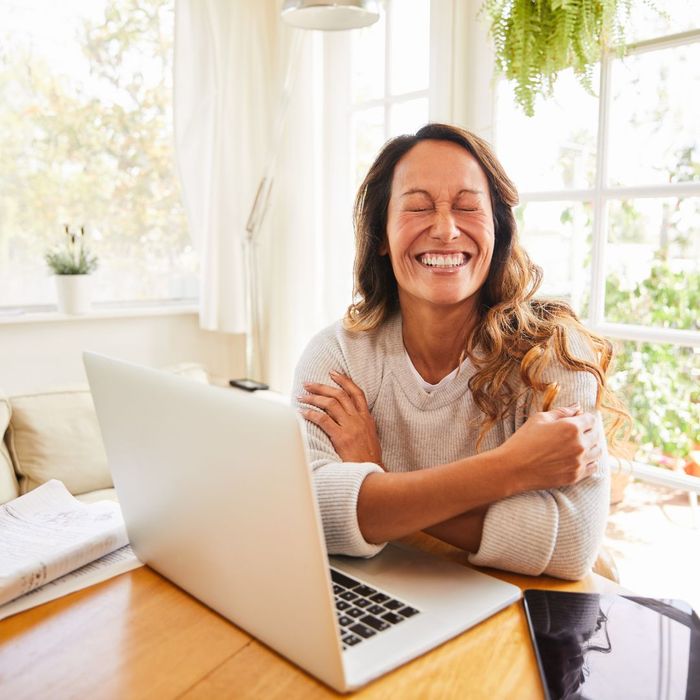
(73, 292)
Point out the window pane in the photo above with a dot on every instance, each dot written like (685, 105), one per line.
(660, 386)
(368, 61)
(368, 137)
(557, 236)
(408, 117)
(85, 138)
(654, 117)
(554, 150)
(653, 262)
(671, 17)
(409, 30)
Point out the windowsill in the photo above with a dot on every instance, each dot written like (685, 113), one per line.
(99, 312)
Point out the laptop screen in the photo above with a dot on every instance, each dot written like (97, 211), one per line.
(609, 647)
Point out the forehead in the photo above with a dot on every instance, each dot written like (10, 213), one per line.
(438, 165)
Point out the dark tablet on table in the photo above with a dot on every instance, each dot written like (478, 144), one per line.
(613, 647)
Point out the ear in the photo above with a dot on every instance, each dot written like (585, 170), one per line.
(383, 248)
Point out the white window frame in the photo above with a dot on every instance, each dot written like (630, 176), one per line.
(600, 194)
(388, 100)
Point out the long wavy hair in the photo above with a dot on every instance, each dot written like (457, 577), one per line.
(515, 334)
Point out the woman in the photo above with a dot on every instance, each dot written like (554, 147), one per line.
(426, 408)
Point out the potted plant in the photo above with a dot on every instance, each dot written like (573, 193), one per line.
(72, 262)
(535, 39)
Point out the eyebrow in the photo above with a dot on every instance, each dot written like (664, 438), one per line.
(417, 190)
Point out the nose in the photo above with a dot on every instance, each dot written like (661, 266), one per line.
(444, 227)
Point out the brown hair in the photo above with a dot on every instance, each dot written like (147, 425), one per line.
(515, 333)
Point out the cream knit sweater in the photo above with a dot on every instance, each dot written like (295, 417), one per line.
(557, 532)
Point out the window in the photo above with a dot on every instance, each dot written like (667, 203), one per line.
(387, 69)
(86, 139)
(610, 208)
(390, 79)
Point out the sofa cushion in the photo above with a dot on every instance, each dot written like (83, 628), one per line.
(55, 435)
(9, 488)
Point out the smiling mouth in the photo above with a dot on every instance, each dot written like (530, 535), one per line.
(443, 261)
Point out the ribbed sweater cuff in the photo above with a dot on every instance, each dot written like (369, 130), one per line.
(519, 534)
(337, 488)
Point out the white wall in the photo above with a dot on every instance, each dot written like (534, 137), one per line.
(42, 351)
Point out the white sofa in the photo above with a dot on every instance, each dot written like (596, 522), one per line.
(54, 434)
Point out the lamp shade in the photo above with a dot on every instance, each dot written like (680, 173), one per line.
(330, 14)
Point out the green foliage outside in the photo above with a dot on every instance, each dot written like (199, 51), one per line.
(660, 383)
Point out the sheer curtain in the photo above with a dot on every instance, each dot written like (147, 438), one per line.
(230, 62)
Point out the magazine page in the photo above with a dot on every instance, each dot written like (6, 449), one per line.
(47, 533)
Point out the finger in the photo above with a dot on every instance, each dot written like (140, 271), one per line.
(565, 411)
(591, 469)
(354, 391)
(328, 404)
(593, 454)
(584, 421)
(322, 420)
(332, 392)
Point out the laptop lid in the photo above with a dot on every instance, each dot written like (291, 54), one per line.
(213, 483)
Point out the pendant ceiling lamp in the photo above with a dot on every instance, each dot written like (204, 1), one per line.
(330, 14)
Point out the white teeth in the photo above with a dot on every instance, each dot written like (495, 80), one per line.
(434, 260)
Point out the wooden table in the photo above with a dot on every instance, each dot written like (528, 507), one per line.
(139, 636)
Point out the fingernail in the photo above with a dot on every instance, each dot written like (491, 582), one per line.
(333, 373)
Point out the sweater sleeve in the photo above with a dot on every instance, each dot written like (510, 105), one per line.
(558, 531)
(336, 483)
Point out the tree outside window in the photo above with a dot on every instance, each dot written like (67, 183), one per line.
(86, 139)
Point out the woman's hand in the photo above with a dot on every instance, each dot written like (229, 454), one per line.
(554, 448)
(345, 418)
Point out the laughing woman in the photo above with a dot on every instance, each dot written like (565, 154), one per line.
(450, 400)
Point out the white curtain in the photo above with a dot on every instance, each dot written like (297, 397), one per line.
(228, 60)
(231, 57)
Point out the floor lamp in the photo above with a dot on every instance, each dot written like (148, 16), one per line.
(305, 14)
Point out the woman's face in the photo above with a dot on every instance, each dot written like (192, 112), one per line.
(440, 231)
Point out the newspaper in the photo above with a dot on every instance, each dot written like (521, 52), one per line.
(47, 534)
(118, 562)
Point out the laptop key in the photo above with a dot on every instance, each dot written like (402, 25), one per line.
(393, 604)
(362, 630)
(337, 588)
(376, 609)
(355, 612)
(364, 590)
(374, 622)
(348, 595)
(343, 580)
(341, 605)
(351, 639)
(344, 620)
(379, 597)
(362, 602)
(392, 618)
(408, 611)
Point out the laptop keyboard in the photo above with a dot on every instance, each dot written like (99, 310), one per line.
(364, 611)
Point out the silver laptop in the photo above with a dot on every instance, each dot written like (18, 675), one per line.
(217, 495)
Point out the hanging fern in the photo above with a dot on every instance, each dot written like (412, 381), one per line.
(535, 39)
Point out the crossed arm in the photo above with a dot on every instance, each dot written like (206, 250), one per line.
(551, 451)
